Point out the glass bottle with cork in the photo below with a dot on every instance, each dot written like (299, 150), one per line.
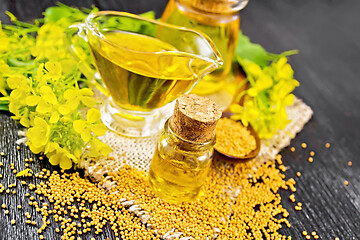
(219, 19)
(183, 155)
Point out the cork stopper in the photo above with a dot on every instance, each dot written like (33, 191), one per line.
(195, 118)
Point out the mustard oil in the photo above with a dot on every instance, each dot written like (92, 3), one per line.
(179, 167)
(221, 22)
(133, 83)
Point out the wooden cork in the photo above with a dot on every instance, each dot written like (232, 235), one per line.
(195, 118)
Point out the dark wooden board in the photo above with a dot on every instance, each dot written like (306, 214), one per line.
(327, 33)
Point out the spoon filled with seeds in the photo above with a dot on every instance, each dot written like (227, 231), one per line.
(235, 142)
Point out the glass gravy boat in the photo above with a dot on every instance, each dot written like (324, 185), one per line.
(144, 64)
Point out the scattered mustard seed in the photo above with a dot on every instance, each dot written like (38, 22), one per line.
(346, 182)
(14, 171)
(18, 147)
(303, 145)
(327, 145)
(2, 154)
(297, 208)
(292, 149)
(307, 237)
(26, 165)
(313, 233)
(1, 164)
(19, 206)
(304, 233)
(6, 212)
(12, 221)
(298, 174)
(310, 159)
(3, 205)
(316, 237)
(350, 163)
(312, 153)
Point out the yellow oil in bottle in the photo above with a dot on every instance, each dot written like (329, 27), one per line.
(219, 23)
(129, 65)
(179, 168)
(177, 180)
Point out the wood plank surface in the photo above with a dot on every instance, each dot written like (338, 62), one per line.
(327, 34)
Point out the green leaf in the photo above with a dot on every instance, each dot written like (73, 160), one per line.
(53, 14)
(4, 105)
(250, 51)
(149, 15)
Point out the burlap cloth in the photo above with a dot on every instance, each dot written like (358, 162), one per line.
(137, 152)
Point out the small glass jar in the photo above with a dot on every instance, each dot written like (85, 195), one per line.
(220, 20)
(179, 167)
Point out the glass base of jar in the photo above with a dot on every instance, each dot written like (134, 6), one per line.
(172, 192)
(132, 123)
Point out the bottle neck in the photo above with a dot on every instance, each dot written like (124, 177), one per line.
(185, 144)
(224, 11)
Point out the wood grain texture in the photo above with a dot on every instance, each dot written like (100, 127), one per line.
(327, 34)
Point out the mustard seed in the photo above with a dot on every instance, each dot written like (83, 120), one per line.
(303, 145)
(327, 145)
